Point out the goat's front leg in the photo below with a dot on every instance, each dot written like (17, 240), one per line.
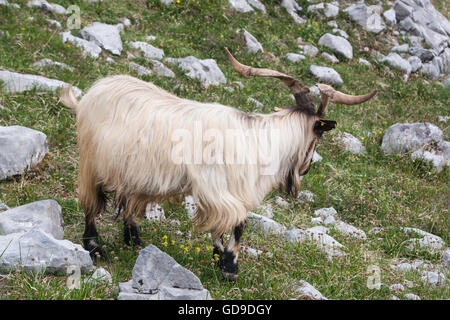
(229, 257)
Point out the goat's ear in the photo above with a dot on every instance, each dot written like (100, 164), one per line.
(323, 125)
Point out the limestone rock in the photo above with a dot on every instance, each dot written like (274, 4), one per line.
(22, 148)
(44, 215)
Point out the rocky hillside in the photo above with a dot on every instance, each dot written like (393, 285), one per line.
(371, 220)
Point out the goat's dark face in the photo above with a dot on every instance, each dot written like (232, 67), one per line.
(320, 126)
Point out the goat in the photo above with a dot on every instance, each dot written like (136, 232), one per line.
(126, 129)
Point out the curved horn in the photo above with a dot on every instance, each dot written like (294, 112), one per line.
(329, 94)
(298, 89)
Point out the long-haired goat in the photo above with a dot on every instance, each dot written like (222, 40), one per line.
(129, 132)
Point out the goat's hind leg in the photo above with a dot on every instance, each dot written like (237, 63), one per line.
(128, 206)
(92, 207)
(131, 233)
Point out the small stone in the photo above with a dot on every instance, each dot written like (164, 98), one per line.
(253, 45)
(190, 206)
(206, 71)
(104, 35)
(265, 224)
(147, 49)
(397, 288)
(154, 211)
(281, 202)
(48, 62)
(350, 230)
(330, 220)
(337, 44)
(309, 50)
(100, 275)
(349, 143)
(294, 57)
(325, 212)
(266, 210)
(88, 47)
(255, 102)
(330, 57)
(326, 74)
(305, 196)
(308, 292)
(141, 70)
(364, 62)
(401, 48)
(412, 296)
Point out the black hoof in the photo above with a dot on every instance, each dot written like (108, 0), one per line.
(94, 249)
(228, 266)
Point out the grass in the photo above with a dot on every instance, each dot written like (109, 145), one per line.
(371, 190)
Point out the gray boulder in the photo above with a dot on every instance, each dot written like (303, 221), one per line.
(45, 6)
(294, 57)
(326, 74)
(19, 82)
(157, 276)
(415, 63)
(22, 148)
(329, 57)
(257, 4)
(350, 230)
(44, 215)
(337, 44)
(155, 268)
(240, 5)
(438, 160)
(89, 48)
(401, 48)
(206, 71)
(396, 61)
(37, 251)
(292, 9)
(367, 17)
(252, 44)
(100, 275)
(127, 292)
(147, 49)
(305, 196)
(420, 18)
(265, 224)
(307, 291)
(404, 137)
(48, 63)
(389, 16)
(349, 143)
(429, 242)
(446, 258)
(160, 69)
(325, 212)
(104, 35)
(141, 70)
(308, 49)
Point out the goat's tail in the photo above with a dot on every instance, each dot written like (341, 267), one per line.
(67, 98)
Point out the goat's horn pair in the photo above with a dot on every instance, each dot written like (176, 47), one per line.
(293, 84)
(329, 94)
(298, 89)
